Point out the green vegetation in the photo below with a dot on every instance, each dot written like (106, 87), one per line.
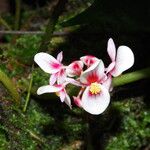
(25, 48)
(134, 129)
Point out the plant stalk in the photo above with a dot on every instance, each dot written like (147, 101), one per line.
(131, 77)
(28, 94)
(17, 14)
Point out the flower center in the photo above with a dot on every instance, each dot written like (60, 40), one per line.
(95, 88)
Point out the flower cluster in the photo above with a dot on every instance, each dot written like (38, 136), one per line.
(88, 73)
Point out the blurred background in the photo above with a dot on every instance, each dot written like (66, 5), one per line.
(78, 28)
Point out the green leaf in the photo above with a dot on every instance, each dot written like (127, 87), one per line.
(10, 86)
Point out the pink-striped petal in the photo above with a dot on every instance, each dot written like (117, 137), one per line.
(124, 60)
(95, 104)
(47, 62)
(60, 56)
(49, 89)
(111, 49)
(94, 73)
(75, 68)
(89, 60)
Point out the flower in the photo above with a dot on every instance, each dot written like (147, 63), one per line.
(75, 68)
(123, 60)
(59, 89)
(60, 77)
(52, 66)
(88, 73)
(95, 98)
(89, 60)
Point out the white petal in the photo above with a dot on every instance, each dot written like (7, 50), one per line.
(60, 56)
(53, 79)
(108, 83)
(103, 79)
(94, 73)
(75, 68)
(47, 62)
(111, 49)
(95, 104)
(62, 95)
(68, 101)
(48, 89)
(110, 67)
(61, 76)
(73, 81)
(124, 60)
(70, 72)
(89, 60)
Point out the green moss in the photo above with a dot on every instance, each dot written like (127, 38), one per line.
(25, 48)
(3, 140)
(134, 126)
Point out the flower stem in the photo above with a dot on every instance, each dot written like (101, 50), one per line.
(29, 93)
(131, 77)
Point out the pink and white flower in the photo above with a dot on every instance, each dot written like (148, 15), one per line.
(60, 77)
(123, 60)
(75, 68)
(58, 89)
(94, 82)
(96, 97)
(89, 60)
(52, 66)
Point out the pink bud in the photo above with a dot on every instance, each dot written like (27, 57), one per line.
(77, 101)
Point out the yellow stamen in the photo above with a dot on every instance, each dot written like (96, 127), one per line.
(95, 88)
